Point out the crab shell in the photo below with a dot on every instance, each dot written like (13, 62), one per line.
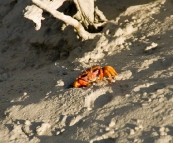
(95, 73)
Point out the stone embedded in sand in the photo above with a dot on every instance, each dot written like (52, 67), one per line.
(140, 127)
(60, 83)
(152, 46)
(129, 29)
(58, 132)
(132, 131)
(27, 122)
(162, 129)
(107, 129)
(119, 40)
(26, 128)
(112, 124)
(42, 129)
(154, 134)
(118, 32)
(163, 133)
(62, 130)
(127, 95)
(136, 128)
(167, 130)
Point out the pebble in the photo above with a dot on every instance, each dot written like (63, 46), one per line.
(58, 132)
(149, 100)
(139, 20)
(153, 96)
(118, 32)
(162, 129)
(132, 131)
(152, 46)
(41, 129)
(60, 83)
(62, 130)
(163, 133)
(27, 122)
(112, 131)
(107, 129)
(167, 130)
(107, 32)
(127, 95)
(154, 134)
(136, 128)
(140, 127)
(112, 124)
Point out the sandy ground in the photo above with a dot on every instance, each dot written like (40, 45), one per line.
(37, 69)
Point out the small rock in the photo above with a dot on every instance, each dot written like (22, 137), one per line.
(60, 83)
(139, 20)
(112, 131)
(127, 95)
(163, 133)
(112, 124)
(41, 129)
(140, 127)
(107, 129)
(136, 128)
(154, 134)
(107, 32)
(62, 130)
(152, 46)
(118, 32)
(162, 129)
(153, 96)
(167, 130)
(132, 131)
(58, 132)
(27, 122)
(119, 40)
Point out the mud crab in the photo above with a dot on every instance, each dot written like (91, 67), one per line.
(93, 74)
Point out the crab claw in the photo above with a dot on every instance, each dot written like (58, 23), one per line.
(80, 83)
(109, 71)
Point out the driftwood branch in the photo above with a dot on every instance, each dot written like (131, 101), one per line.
(49, 7)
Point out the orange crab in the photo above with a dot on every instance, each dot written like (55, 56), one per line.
(93, 74)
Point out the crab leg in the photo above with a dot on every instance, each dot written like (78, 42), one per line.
(109, 71)
(101, 74)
